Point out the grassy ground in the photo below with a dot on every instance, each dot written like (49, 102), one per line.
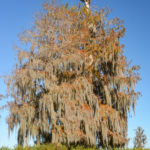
(55, 147)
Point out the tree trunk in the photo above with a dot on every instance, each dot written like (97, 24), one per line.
(38, 139)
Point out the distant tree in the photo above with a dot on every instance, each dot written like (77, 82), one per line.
(1, 96)
(73, 84)
(140, 138)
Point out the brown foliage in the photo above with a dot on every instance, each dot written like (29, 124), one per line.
(73, 85)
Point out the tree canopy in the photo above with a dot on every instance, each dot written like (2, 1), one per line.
(72, 83)
(140, 138)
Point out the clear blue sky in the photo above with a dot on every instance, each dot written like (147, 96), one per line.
(17, 15)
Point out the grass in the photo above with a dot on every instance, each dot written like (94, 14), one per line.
(55, 147)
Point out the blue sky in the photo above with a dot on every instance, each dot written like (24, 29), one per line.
(17, 15)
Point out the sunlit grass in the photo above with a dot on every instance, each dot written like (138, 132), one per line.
(57, 147)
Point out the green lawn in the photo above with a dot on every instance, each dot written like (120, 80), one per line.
(55, 147)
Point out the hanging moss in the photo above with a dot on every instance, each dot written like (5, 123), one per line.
(71, 87)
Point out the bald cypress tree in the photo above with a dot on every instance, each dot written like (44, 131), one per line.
(140, 138)
(73, 84)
